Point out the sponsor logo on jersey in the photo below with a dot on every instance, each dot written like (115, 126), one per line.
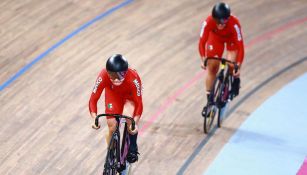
(210, 47)
(98, 81)
(138, 88)
(238, 32)
(110, 105)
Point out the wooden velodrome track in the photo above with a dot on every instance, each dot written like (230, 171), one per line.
(45, 125)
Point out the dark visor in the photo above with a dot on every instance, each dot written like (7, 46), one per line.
(117, 75)
(221, 21)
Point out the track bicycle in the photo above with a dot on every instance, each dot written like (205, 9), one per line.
(116, 158)
(221, 93)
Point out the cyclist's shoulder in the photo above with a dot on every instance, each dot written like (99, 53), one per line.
(209, 18)
(233, 20)
(133, 72)
(209, 21)
(133, 76)
(103, 72)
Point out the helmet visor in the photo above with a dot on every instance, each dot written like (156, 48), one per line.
(221, 21)
(117, 75)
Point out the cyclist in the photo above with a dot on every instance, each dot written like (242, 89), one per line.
(122, 86)
(219, 29)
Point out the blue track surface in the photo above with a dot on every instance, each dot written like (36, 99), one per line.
(273, 140)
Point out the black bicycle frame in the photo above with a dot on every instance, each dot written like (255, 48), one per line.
(121, 154)
(220, 91)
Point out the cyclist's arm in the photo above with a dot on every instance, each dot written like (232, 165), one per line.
(137, 91)
(239, 42)
(238, 37)
(96, 93)
(204, 34)
(137, 119)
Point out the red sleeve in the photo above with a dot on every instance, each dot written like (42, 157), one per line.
(239, 41)
(204, 34)
(96, 93)
(137, 92)
(203, 39)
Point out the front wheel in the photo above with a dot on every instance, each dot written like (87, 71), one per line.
(127, 170)
(110, 166)
(214, 98)
(208, 119)
(219, 118)
(223, 100)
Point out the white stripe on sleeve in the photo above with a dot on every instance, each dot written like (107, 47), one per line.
(202, 28)
(238, 32)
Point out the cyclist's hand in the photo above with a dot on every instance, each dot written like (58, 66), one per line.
(94, 115)
(202, 65)
(135, 129)
(95, 127)
(236, 74)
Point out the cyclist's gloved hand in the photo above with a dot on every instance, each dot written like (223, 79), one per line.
(94, 115)
(135, 129)
(95, 127)
(236, 74)
(202, 63)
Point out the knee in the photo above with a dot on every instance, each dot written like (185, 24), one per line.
(111, 125)
(232, 55)
(212, 70)
(111, 129)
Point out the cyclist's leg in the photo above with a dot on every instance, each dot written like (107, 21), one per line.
(214, 48)
(113, 105)
(212, 67)
(133, 149)
(232, 52)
